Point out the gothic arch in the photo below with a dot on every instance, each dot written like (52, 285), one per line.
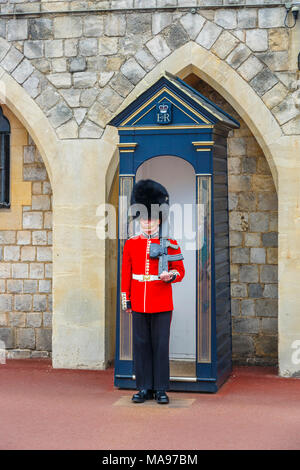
(32, 117)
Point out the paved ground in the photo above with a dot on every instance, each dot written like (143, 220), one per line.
(46, 408)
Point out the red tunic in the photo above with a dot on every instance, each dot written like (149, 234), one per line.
(145, 295)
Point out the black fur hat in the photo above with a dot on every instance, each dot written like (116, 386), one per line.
(149, 192)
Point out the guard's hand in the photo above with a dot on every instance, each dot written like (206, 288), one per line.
(128, 310)
(165, 276)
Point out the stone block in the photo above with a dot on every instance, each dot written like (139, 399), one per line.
(269, 273)
(248, 273)
(68, 130)
(44, 339)
(7, 337)
(271, 17)
(263, 81)
(23, 71)
(44, 253)
(48, 270)
(248, 307)
(39, 237)
(45, 286)
(224, 44)
(108, 45)
(257, 39)
(235, 238)
(226, 18)
(238, 290)
(84, 79)
(93, 25)
(17, 29)
(60, 80)
(34, 320)
(11, 253)
(39, 302)
(14, 286)
(266, 346)
(54, 48)
(40, 28)
(32, 220)
(239, 54)
(193, 24)
(257, 255)
(161, 20)
(28, 253)
(158, 47)
(90, 131)
(19, 270)
(252, 239)
(176, 36)
(30, 286)
(250, 68)
(255, 290)
(139, 25)
(33, 49)
(275, 60)
(71, 46)
(67, 27)
(88, 47)
(271, 291)
(58, 116)
(5, 269)
(238, 221)
(278, 39)
(17, 319)
(121, 85)
(40, 202)
(259, 222)
(26, 338)
(5, 302)
(115, 24)
(269, 325)
(36, 270)
(12, 59)
(275, 96)
(77, 64)
(23, 302)
(286, 110)
(7, 237)
(208, 34)
(272, 255)
(239, 182)
(59, 65)
(247, 18)
(48, 98)
(242, 345)
(246, 325)
(33, 173)
(270, 239)
(110, 99)
(133, 71)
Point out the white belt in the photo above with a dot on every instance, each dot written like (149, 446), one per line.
(145, 277)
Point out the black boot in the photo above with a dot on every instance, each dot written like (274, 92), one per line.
(142, 395)
(161, 397)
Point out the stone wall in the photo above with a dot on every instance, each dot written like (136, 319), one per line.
(26, 262)
(80, 65)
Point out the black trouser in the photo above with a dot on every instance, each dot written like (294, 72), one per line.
(151, 334)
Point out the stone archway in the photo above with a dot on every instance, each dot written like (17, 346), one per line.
(281, 153)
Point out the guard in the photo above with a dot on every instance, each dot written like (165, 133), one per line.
(151, 264)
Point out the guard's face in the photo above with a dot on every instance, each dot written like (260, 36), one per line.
(149, 225)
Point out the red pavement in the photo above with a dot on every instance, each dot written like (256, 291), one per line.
(46, 408)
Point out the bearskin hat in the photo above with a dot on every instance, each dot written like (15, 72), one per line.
(149, 192)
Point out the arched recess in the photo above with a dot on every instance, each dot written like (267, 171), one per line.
(193, 58)
(32, 117)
